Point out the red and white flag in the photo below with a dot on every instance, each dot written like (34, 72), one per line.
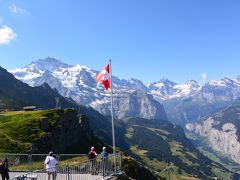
(104, 77)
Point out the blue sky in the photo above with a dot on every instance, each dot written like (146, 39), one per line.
(147, 40)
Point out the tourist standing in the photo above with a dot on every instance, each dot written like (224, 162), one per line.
(50, 164)
(92, 155)
(104, 160)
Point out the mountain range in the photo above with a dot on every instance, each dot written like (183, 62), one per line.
(154, 143)
(209, 112)
(183, 103)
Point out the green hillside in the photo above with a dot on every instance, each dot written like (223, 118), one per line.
(45, 130)
(151, 142)
(58, 130)
(156, 143)
(160, 143)
(9, 103)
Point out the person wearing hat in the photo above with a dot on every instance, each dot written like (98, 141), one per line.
(50, 164)
(92, 155)
(104, 159)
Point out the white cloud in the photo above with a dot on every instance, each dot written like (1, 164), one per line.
(18, 10)
(204, 77)
(0, 20)
(6, 35)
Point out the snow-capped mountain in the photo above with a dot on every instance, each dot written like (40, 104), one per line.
(132, 96)
(163, 88)
(191, 87)
(166, 89)
(77, 82)
(203, 101)
(225, 89)
(79, 77)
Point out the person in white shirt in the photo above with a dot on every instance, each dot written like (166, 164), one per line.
(50, 164)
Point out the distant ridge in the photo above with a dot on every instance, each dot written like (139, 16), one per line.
(183, 103)
(21, 94)
(78, 83)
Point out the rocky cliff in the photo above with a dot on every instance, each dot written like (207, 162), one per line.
(131, 104)
(221, 130)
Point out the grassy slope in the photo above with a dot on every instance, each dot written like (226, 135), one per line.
(20, 130)
(156, 143)
(9, 103)
(151, 142)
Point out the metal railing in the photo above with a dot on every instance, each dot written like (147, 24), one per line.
(25, 162)
(87, 170)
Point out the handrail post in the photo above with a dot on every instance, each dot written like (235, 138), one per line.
(30, 161)
(121, 161)
(68, 172)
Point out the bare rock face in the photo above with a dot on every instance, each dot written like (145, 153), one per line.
(224, 140)
(132, 104)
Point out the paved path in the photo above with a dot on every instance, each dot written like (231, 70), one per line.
(43, 176)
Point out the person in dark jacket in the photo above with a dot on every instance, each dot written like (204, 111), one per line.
(4, 169)
(92, 155)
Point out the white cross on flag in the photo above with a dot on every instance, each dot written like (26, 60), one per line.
(104, 77)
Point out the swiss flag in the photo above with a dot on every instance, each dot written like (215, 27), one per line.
(104, 77)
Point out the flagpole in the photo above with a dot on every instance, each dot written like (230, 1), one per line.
(113, 132)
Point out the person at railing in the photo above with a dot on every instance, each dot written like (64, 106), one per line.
(50, 164)
(17, 161)
(92, 155)
(4, 169)
(104, 160)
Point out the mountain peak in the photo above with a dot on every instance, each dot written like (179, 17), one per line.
(191, 82)
(49, 63)
(228, 80)
(223, 82)
(47, 60)
(166, 81)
